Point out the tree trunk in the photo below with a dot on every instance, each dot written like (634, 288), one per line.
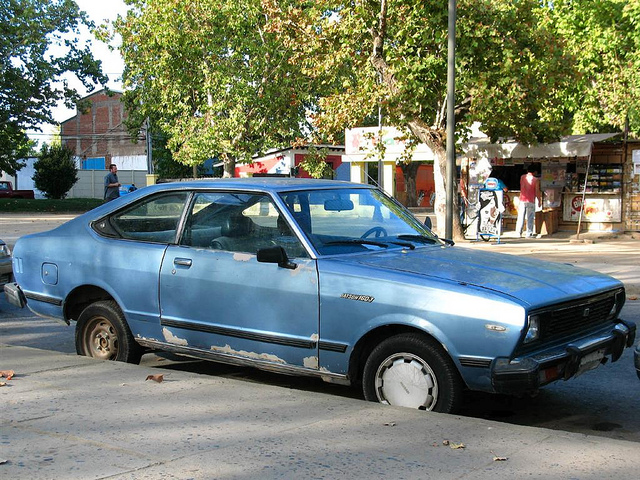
(434, 137)
(409, 172)
(229, 164)
(435, 140)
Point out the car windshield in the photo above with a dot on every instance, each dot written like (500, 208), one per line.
(338, 221)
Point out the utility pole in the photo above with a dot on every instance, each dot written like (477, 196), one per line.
(149, 149)
(451, 120)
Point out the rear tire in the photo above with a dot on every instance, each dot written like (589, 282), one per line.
(410, 370)
(102, 332)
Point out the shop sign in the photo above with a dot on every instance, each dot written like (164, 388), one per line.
(510, 201)
(596, 208)
(489, 221)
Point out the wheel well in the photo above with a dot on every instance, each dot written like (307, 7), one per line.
(80, 298)
(372, 339)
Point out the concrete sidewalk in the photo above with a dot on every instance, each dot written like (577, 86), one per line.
(71, 417)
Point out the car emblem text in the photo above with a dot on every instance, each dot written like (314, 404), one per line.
(360, 298)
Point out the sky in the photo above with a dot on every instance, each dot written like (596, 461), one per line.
(112, 64)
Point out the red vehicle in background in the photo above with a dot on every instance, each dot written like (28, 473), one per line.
(7, 191)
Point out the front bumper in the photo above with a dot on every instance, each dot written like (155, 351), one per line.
(527, 374)
(14, 295)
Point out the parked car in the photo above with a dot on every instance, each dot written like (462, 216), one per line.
(636, 359)
(6, 271)
(127, 188)
(323, 278)
(7, 191)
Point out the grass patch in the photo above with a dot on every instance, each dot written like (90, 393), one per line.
(68, 205)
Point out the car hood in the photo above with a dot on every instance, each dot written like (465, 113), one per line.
(534, 282)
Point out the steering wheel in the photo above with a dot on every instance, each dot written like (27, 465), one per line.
(379, 232)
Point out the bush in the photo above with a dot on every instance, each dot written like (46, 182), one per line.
(55, 171)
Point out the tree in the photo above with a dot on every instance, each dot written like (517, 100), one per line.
(511, 69)
(38, 45)
(315, 164)
(604, 37)
(55, 171)
(210, 76)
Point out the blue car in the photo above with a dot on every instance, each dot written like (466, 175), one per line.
(126, 188)
(314, 277)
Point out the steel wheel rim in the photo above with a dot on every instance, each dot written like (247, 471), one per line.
(101, 339)
(406, 380)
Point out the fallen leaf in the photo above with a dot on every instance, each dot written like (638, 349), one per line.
(8, 374)
(457, 446)
(2, 384)
(496, 458)
(445, 442)
(632, 297)
(390, 424)
(3, 461)
(158, 377)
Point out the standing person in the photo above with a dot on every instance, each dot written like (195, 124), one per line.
(111, 184)
(529, 192)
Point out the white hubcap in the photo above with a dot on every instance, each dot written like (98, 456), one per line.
(405, 380)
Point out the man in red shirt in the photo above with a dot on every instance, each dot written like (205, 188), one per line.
(529, 192)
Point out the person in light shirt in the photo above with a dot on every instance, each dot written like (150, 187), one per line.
(529, 192)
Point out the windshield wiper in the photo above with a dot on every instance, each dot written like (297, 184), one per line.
(418, 238)
(357, 241)
(408, 245)
(364, 241)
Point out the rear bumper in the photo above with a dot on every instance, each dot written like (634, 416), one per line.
(14, 295)
(526, 374)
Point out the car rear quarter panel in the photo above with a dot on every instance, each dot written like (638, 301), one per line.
(127, 271)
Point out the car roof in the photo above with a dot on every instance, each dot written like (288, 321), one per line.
(277, 184)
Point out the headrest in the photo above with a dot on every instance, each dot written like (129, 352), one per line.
(236, 225)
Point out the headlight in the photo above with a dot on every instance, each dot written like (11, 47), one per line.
(533, 331)
(5, 251)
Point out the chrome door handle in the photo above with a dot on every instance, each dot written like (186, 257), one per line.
(183, 262)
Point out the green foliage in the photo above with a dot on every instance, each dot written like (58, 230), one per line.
(55, 171)
(211, 77)
(511, 68)
(164, 164)
(38, 45)
(314, 163)
(604, 38)
(510, 65)
(14, 146)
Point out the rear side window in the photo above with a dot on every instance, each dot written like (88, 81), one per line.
(152, 220)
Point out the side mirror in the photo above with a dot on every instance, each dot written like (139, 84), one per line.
(275, 254)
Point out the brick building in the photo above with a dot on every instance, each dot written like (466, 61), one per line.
(98, 136)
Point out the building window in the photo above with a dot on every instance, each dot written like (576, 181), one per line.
(96, 163)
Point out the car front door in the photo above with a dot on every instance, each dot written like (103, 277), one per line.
(216, 296)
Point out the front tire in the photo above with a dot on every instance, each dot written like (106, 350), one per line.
(410, 370)
(102, 332)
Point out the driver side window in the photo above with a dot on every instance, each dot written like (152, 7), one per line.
(238, 222)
